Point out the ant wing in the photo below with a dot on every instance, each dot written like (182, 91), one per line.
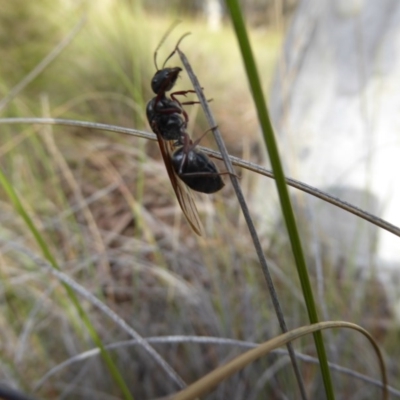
(183, 193)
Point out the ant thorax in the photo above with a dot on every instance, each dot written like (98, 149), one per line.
(165, 118)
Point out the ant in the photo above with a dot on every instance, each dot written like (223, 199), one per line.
(168, 121)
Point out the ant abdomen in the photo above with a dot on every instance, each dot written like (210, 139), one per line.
(196, 170)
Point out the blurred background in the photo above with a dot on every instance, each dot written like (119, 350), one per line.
(104, 205)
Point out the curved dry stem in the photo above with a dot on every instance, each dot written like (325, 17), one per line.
(209, 381)
(373, 219)
(210, 340)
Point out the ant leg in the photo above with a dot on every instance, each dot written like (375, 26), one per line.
(189, 103)
(183, 92)
(186, 103)
(188, 145)
(197, 141)
(180, 93)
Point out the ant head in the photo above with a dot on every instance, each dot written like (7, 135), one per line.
(165, 79)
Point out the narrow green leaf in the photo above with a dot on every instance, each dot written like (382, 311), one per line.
(71, 294)
(283, 193)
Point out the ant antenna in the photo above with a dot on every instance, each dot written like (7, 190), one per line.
(169, 30)
(176, 47)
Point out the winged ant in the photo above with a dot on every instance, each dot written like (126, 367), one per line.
(168, 121)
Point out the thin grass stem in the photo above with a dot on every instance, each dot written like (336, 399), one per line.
(373, 219)
(247, 216)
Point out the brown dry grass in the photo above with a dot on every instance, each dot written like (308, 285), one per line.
(105, 206)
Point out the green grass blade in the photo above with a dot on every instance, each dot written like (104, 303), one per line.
(73, 298)
(283, 193)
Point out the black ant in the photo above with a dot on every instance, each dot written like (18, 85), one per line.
(169, 120)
